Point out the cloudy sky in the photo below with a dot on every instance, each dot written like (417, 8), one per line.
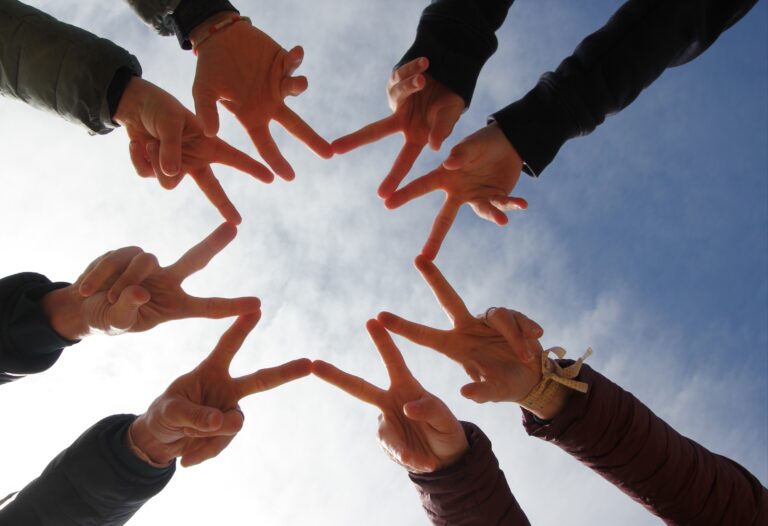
(647, 240)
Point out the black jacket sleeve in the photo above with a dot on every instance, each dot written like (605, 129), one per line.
(28, 344)
(458, 37)
(610, 68)
(96, 481)
(55, 66)
(472, 492)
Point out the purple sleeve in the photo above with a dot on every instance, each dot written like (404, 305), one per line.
(472, 492)
(680, 481)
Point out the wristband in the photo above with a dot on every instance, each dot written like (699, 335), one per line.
(191, 13)
(218, 27)
(554, 379)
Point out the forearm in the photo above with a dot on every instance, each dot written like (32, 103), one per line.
(610, 68)
(473, 491)
(96, 480)
(458, 37)
(59, 67)
(614, 434)
(29, 343)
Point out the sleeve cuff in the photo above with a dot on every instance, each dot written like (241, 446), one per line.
(29, 344)
(191, 13)
(457, 40)
(538, 124)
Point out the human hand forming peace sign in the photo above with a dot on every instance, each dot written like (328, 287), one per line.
(481, 170)
(416, 429)
(423, 110)
(499, 350)
(251, 75)
(126, 290)
(167, 142)
(198, 415)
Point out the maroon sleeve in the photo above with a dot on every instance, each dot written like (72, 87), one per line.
(472, 492)
(613, 433)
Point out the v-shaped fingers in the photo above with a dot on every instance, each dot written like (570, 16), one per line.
(448, 298)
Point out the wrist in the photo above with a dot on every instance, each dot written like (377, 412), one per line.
(554, 406)
(202, 31)
(63, 310)
(130, 103)
(145, 445)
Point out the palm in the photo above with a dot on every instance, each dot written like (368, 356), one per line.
(424, 113)
(251, 75)
(500, 369)
(482, 170)
(417, 445)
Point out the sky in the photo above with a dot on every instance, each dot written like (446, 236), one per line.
(647, 240)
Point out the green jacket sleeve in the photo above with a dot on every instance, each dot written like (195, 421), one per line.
(58, 67)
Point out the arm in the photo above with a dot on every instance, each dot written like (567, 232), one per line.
(458, 37)
(59, 67)
(96, 480)
(609, 69)
(671, 475)
(29, 342)
(471, 491)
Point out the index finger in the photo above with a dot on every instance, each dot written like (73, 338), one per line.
(266, 379)
(296, 126)
(197, 257)
(390, 354)
(349, 383)
(213, 190)
(366, 135)
(402, 165)
(231, 341)
(448, 298)
(231, 156)
(441, 226)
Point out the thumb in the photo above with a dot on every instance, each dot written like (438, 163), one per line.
(481, 392)
(432, 411)
(458, 157)
(207, 112)
(125, 311)
(181, 413)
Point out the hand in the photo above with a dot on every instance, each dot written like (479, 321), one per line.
(167, 142)
(416, 429)
(127, 290)
(424, 111)
(481, 170)
(198, 415)
(251, 75)
(500, 351)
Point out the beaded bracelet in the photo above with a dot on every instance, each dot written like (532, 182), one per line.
(218, 27)
(554, 378)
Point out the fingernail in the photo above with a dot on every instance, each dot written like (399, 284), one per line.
(422, 62)
(210, 419)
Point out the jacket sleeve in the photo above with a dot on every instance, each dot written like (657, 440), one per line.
(613, 433)
(458, 37)
(472, 492)
(609, 69)
(59, 67)
(28, 344)
(96, 481)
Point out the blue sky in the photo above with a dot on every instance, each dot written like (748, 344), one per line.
(647, 240)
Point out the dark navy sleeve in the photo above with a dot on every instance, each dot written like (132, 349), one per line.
(28, 344)
(95, 481)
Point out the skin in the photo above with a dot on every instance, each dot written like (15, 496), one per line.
(126, 290)
(167, 142)
(423, 110)
(500, 351)
(251, 75)
(416, 429)
(198, 414)
(481, 171)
